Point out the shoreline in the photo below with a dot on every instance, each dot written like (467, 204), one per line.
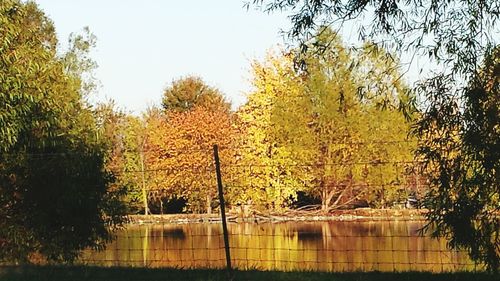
(361, 214)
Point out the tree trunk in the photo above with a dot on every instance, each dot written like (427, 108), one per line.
(209, 205)
(326, 198)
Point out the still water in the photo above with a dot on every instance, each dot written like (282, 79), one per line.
(325, 246)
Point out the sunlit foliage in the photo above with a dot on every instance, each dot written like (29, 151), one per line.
(186, 93)
(321, 131)
(54, 189)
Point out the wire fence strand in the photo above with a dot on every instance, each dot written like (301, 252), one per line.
(390, 245)
(270, 227)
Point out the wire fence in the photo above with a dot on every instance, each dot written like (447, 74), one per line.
(271, 180)
(284, 214)
(383, 245)
(263, 235)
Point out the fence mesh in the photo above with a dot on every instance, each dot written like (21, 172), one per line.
(283, 215)
(357, 245)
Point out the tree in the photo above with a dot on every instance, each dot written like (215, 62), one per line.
(55, 196)
(313, 131)
(460, 144)
(196, 116)
(20, 79)
(457, 35)
(78, 63)
(335, 121)
(267, 181)
(123, 136)
(180, 154)
(186, 93)
(352, 94)
(388, 108)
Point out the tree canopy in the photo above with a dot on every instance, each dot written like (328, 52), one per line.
(186, 93)
(456, 32)
(179, 145)
(313, 131)
(55, 196)
(459, 136)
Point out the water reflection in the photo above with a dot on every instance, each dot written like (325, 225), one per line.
(326, 246)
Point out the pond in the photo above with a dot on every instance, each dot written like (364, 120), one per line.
(324, 246)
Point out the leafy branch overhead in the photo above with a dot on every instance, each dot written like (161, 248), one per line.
(452, 32)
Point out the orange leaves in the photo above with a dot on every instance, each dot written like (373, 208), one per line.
(180, 145)
(189, 132)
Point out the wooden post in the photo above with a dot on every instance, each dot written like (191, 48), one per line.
(222, 210)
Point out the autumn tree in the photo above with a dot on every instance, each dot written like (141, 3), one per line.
(124, 138)
(388, 108)
(181, 157)
(359, 134)
(194, 117)
(265, 180)
(186, 93)
(55, 196)
(335, 120)
(457, 35)
(321, 131)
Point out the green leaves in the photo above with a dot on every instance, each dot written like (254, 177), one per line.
(54, 191)
(312, 131)
(459, 140)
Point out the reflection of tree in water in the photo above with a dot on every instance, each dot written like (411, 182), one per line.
(331, 246)
(304, 232)
(308, 235)
(177, 233)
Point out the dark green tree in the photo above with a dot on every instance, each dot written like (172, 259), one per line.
(459, 136)
(55, 198)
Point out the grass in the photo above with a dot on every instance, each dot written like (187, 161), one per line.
(80, 273)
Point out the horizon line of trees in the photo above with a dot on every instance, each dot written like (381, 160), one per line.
(335, 135)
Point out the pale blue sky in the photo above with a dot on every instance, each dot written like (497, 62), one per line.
(143, 45)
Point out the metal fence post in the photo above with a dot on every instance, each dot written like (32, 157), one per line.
(222, 210)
